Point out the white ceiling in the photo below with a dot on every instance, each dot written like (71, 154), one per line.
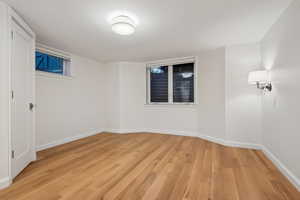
(167, 28)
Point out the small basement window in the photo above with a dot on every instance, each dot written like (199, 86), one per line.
(171, 82)
(51, 62)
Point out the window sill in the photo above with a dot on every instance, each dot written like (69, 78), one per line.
(53, 75)
(181, 105)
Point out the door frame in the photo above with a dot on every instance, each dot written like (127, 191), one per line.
(14, 17)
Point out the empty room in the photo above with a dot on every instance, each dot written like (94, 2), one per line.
(149, 100)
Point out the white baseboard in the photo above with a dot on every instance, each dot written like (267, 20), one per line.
(213, 139)
(181, 133)
(230, 143)
(284, 170)
(243, 145)
(66, 140)
(169, 132)
(112, 130)
(192, 134)
(5, 182)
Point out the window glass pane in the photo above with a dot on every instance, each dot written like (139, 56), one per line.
(159, 84)
(183, 83)
(48, 63)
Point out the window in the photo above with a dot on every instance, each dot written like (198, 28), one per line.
(183, 83)
(172, 83)
(52, 63)
(159, 84)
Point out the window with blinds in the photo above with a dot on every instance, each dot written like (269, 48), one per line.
(183, 83)
(159, 84)
(171, 84)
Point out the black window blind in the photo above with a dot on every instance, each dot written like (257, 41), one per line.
(159, 84)
(183, 83)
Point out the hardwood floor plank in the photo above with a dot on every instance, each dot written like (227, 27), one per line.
(145, 166)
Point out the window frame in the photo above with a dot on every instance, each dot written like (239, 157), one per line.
(170, 63)
(67, 71)
(46, 67)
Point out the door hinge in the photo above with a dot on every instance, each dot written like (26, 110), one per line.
(12, 154)
(12, 94)
(12, 35)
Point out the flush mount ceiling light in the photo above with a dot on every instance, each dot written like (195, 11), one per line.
(123, 25)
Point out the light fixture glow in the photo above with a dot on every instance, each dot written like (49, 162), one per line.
(260, 79)
(258, 76)
(123, 25)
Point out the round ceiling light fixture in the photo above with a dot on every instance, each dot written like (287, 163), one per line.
(123, 25)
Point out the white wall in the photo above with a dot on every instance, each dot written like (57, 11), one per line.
(205, 118)
(211, 89)
(112, 97)
(243, 101)
(69, 107)
(4, 96)
(281, 110)
(135, 115)
(222, 90)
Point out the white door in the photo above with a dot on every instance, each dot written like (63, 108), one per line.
(22, 74)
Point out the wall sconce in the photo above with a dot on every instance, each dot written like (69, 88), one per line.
(260, 79)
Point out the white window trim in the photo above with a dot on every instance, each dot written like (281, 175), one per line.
(52, 75)
(170, 63)
(57, 53)
(170, 84)
(54, 52)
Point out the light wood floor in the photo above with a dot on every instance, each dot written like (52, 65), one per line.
(149, 166)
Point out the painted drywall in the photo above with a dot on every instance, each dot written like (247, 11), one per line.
(211, 89)
(243, 101)
(281, 110)
(222, 91)
(112, 97)
(207, 117)
(4, 103)
(137, 116)
(70, 106)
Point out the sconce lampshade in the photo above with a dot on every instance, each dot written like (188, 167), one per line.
(258, 77)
